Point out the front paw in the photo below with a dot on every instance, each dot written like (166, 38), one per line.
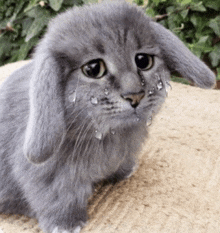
(59, 230)
(60, 227)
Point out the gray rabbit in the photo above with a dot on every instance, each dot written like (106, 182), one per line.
(77, 114)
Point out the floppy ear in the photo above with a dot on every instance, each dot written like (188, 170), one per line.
(46, 126)
(179, 58)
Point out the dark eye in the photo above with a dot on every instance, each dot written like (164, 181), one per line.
(94, 69)
(144, 61)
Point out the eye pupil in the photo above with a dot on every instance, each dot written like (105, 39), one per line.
(144, 61)
(93, 69)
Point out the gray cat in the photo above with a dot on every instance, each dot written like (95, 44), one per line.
(78, 113)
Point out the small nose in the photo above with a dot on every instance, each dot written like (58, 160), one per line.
(134, 98)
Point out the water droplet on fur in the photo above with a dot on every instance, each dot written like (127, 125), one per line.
(98, 135)
(142, 82)
(138, 119)
(72, 97)
(151, 92)
(159, 85)
(113, 131)
(168, 87)
(94, 100)
(149, 121)
(106, 91)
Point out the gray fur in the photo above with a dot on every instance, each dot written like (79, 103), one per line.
(53, 149)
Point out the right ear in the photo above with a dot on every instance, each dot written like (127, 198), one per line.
(180, 59)
(46, 126)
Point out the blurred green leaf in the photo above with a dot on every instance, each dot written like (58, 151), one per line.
(198, 22)
(180, 80)
(198, 7)
(3, 23)
(90, 1)
(215, 25)
(29, 19)
(156, 2)
(185, 2)
(31, 5)
(150, 12)
(184, 13)
(26, 23)
(203, 39)
(9, 11)
(5, 46)
(69, 2)
(41, 19)
(19, 7)
(174, 21)
(33, 12)
(218, 73)
(25, 48)
(170, 9)
(56, 4)
(213, 4)
(215, 55)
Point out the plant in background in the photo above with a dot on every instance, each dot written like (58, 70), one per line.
(195, 22)
(23, 23)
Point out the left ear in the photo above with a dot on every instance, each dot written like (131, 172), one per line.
(46, 126)
(180, 59)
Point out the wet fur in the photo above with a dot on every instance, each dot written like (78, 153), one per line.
(50, 156)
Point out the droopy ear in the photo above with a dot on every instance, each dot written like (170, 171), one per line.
(46, 126)
(179, 58)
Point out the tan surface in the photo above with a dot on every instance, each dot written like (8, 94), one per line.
(177, 185)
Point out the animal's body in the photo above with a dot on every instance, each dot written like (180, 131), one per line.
(77, 114)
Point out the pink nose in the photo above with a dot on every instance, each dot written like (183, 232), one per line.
(134, 98)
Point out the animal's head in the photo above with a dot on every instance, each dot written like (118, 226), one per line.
(101, 68)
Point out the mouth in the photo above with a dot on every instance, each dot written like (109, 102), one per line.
(117, 120)
(127, 119)
(123, 122)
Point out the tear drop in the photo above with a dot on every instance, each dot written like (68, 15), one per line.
(72, 97)
(151, 92)
(94, 100)
(159, 85)
(113, 131)
(106, 91)
(149, 121)
(98, 135)
(168, 87)
(138, 119)
(142, 82)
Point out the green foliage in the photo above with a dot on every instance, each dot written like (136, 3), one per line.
(218, 73)
(195, 22)
(179, 80)
(23, 23)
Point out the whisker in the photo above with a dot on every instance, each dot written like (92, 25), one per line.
(77, 150)
(76, 116)
(82, 135)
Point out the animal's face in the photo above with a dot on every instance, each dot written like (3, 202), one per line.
(100, 69)
(119, 77)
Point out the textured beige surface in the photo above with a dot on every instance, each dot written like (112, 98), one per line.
(177, 186)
